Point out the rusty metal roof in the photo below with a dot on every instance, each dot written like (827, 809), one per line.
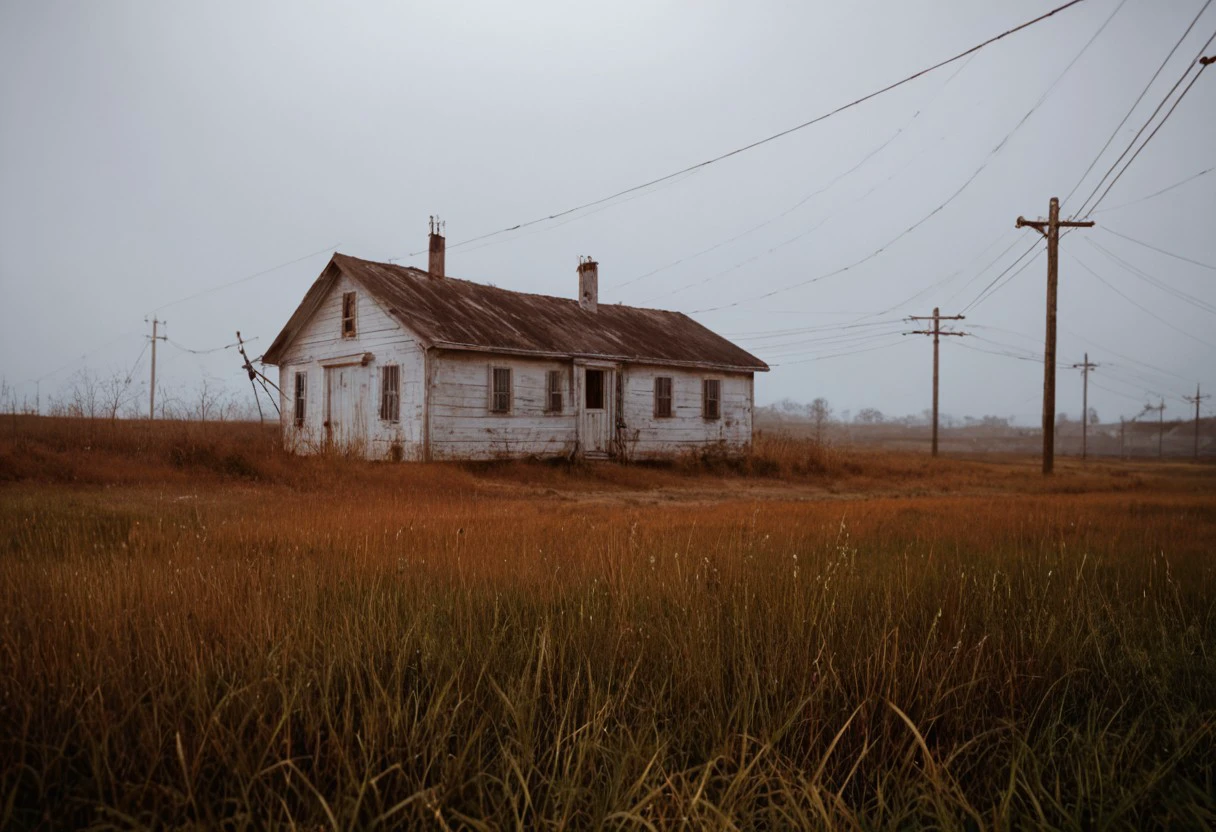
(450, 313)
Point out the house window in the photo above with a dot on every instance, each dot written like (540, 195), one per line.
(390, 393)
(301, 399)
(662, 397)
(553, 392)
(348, 314)
(500, 399)
(711, 398)
(595, 390)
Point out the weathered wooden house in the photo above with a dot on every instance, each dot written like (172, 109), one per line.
(386, 361)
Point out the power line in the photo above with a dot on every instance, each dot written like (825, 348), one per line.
(245, 279)
(1160, 124)
(992, 154)
(1138, 305)
(209, 351)
(992, 288)
(1161, 250)
(822, 189)
(1136, 103)
(1155, 194)
(1140, 132)
(767, 139)
(1152, 281)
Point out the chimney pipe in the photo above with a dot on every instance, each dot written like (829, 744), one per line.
(438, 245)
(588, 283)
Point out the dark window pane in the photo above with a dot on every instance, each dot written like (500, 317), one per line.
(595, 390)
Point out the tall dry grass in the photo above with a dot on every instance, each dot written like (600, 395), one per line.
(185, 644)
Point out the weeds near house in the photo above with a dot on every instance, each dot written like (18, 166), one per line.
(197, 629)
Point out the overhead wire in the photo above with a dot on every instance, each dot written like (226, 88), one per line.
(1139, 305)
(1179, 294)
(1086, 207)
(802, 201)
(1136, 103)
(244, 279)
(751, 146)
(1157, 249)
(992, 288)
(987, 160)
(1155, 194)
(1160, 124)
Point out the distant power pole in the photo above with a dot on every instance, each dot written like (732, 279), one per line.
(1050, 228)
(936, 332)
(1195, 400)
(1160, 408)
(1085, 368)
(152, 387)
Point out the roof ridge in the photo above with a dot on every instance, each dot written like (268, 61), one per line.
(494, 287)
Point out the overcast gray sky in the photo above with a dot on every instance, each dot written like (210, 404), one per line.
(151, 151)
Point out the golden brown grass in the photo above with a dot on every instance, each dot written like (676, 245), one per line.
(197, 629)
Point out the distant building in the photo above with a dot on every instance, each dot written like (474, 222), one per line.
(387, 361)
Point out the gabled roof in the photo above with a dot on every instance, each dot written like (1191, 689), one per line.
(449, 313)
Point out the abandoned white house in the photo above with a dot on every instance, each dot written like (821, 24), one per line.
(386, 361)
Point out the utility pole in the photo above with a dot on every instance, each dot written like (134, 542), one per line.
(937, 317)
(253, 374)
(1050, 228)
(1160, 408)
(1122, 438)
(152, 387)
(1195, 400)
(1085, 368)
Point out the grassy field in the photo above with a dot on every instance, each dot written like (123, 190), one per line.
(198, 630)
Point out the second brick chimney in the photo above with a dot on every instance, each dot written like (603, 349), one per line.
(588, 283)
(435, 265)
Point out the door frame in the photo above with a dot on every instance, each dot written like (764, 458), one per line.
(611, 371)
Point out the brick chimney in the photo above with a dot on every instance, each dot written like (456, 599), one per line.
(588, 283)
(435, 265)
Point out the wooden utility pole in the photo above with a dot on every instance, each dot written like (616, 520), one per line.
(937, 317)
(1050, 228)
(152, 387)
(1195, 400)
(1085, 368)
(1160, 408)
(253, 374)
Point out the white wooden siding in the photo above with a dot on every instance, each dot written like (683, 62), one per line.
(646, 436)
(462, 426)
(320, 340)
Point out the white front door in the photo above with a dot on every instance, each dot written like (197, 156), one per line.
(343, 405)
(597, 413)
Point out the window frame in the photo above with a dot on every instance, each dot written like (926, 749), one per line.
(713, 413)
(508, 394)
(390, 395)
(300, 399)
(659, 412)
(351, 319)
(554, 403)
